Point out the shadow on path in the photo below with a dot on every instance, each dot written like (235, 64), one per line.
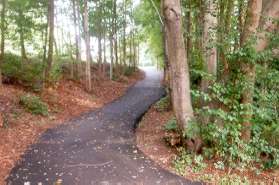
(99, 147)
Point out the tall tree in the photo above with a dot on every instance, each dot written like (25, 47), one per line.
(21, 34)
(209, 37)
(3, 13)
(77, 36)
(51, 40)
(87, 45)
(115, 37)
(247, 67)
(179, 72)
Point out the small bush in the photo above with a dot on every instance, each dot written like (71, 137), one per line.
(29, 74)
(128, 71)
(171, 125)
(163, 104)
(34, 105)
(183, 161)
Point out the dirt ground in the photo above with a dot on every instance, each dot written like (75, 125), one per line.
(19, 129)
(150, 134)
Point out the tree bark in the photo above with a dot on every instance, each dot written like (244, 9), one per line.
(87, 43)
(248, 68)
(124, 34)
(179, 72)
(21, 36)
(209, 37)
(111, 58)
(3, 14)
(77, 35)
(51, 40)
(115, 32)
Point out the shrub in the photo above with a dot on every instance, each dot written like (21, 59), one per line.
(183, 161)
(34, 105)
(171, 125)
(163, 104)
(128, 71)
(29, 74)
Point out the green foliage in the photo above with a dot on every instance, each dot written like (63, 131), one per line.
(34, 104)
(221, 133)
(171, 125)
(186, 160)
(183, 161)
(192, 130)
(27, 74)
(128, 71)
(233, 180)
(30, 73)
(163, 104)
(199, 163)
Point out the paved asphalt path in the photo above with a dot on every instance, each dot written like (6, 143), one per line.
(99, 147)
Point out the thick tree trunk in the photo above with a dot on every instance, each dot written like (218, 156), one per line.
(3, 13)
(248, 68)
(179, 72)
(209, 37)
(87, 43)
(51, 40)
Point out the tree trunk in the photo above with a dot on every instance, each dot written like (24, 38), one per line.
(87, 43)
(105, 57)
(124, 35)
(179, 71)
(21, 37)
(77, 35)
(100, 53)
(115, 33)
(248, 68)
(111, 58)
(45, 41)
(3, 13)
(209, 37)
(226, 27)
(51, 40)
(188, 30)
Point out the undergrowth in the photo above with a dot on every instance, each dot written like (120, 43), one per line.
(34, 105)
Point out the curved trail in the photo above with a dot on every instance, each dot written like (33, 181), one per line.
(99, 147)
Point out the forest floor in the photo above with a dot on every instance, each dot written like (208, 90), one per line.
(150, 140)
(19, 129)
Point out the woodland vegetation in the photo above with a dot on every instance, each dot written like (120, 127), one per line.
(220, 59)
(40, 39)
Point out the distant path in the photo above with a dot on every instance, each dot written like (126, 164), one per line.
(99, 147)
